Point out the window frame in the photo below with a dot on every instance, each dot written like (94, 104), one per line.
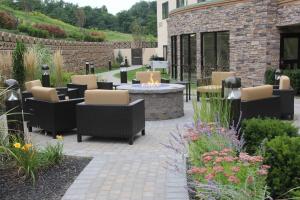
(165, 10)
(215, 48)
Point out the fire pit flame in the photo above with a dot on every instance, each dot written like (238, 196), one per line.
(151, 83)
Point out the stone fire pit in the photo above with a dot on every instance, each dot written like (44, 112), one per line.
(162, 101)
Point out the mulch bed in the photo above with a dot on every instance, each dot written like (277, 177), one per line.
(51, 183)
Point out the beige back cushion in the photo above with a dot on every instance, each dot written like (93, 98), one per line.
(285, 83)
(30, 84)
(218, 77)
(106, 97)
(45, 94)
(256, 93)
(89, 80)
(145, 77)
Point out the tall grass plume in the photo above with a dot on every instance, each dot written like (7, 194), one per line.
(31, 64)
(58, 61)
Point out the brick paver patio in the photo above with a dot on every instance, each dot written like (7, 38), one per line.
(123, 172)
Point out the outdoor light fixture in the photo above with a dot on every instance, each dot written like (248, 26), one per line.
(278, 74)
(232, 88)
(123, 72)
(87, 67)
(92, 67)
(45, 76)
(13, 103)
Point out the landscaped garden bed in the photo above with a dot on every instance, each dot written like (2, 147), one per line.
(258, 161)
(51, 183)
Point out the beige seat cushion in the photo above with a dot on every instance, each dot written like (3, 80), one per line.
(256, 93)
(89, 80)
(145, 77)
(210, 89)
(45, 94)
(285, 83)
(106, 97)
(218, 77)
(30, 84)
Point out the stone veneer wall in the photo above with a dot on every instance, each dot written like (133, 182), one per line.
(254, 36)
(75, 53)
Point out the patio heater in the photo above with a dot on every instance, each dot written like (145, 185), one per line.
(87, 67)
(123, 72)
(92, 68)
(45, 76)
(13, 105)
(278, 74)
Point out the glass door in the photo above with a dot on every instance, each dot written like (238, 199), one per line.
(188, 58)
(174, 56)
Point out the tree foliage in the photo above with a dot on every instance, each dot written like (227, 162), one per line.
(18, 63)
(143, 13)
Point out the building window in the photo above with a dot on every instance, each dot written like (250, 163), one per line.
(188, 56)
(165, 10)
(181, 3)
(215, 52)
(165, 52)
(290, 51)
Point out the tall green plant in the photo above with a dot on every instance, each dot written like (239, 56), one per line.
(212, 109)
(18, 63)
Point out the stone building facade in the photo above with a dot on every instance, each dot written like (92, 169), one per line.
(255, 30)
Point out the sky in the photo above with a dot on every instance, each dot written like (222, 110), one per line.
(113, 6)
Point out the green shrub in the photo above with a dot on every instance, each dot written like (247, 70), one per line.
(270, 76)
(256, 130)
(18, 63)
(295, 79)
(93, 37)
(34, 32)
(294, 75)
(282, 154)
(7, 20)
(54, 31)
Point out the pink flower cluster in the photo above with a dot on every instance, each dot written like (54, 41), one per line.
(250, 159)
(224, 163)
(191, 135)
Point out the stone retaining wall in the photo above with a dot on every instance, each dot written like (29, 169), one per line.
(75, 53)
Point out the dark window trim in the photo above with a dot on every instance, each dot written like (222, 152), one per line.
(174, 56)
(165, 13)
(189, 54)
(288, 35)
(216, 45)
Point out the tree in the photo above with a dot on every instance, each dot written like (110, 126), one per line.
(119, 58)
(80, 16)
(18, 63)
(138, 31)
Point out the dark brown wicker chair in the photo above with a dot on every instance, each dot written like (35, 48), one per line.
(101, 117)
(287, 95)
(49, 113)
(259, 102)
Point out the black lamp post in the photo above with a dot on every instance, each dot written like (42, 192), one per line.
(92, 68)
(109, 65)
(13, 105)
(126, 61)
(123, 73)
(87, 67)
(45, 76)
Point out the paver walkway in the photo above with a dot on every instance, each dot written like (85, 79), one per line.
(109, 76)
(127, 172)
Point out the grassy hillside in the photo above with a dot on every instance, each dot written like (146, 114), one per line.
(36, 17)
